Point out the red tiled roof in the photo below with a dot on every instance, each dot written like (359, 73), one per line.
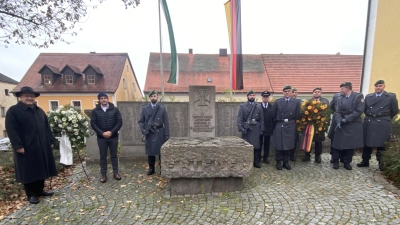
(110, 65)
(305, 72)
(195, 69)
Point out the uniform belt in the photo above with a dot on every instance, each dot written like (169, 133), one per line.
(155, 127)
(378, 116)
(285, 120)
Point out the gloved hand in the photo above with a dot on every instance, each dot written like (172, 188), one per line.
(338, 126)
(166, 137)
(145, 132)
(244, 131)
(344, 121)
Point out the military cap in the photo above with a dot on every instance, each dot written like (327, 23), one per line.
(251, 92)
(287, 87)
(152, 93)
(266, 93)
(294, 89)
(379, 82)
(346, 84)
(317, 88)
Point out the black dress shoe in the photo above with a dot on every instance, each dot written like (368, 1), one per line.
(286, 166)
(257, 165)
(117, 176)
(306, 159)
(46, 193)
(103, 178)
(335, 165)
(332, 161)
(33, 200)
(318, 159)
(292, 158)
(151, 171)
(266, 161)
(348, 166)
(279, 165)
(363, 163)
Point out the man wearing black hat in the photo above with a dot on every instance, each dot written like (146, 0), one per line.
(153, 123)
(32, 140)
(320, 137)
(380, 108)
(349, 128)
(285, 112)
(268, 126)
(250, 122)
(106, 120)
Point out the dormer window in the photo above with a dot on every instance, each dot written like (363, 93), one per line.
(69, 79)
(90, 79)
(47, 79)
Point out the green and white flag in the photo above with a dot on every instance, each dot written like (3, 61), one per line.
(173, 77)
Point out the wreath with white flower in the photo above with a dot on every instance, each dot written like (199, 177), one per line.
(71, 122)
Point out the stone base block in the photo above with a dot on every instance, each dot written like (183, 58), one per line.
(192, 186)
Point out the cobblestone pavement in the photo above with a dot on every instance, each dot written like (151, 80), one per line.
(310, 193)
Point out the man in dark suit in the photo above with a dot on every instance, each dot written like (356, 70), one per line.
(320, 137)
(285, 112)
(380, 108)
(153, 123)
(250, 122)
(349, 128)
(268, 126)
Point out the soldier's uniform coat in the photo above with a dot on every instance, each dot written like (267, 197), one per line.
(253, 134)
(284, 134)
(350, 135)
(332, 106)
(378, 114)
(154, 140)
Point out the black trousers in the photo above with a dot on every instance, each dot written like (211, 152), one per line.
(367, 152)
(282, 155)
(345, 154)
(152, 159)
(104, 145)
(318, 148)
(265, 144)
(34, 188)
(257, 155)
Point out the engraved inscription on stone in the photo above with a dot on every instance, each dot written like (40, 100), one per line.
(202, 97)
(202, 124)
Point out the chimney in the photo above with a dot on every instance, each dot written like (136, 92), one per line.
(190, 50)
(92, 52)
(223, 52)
(337, 53)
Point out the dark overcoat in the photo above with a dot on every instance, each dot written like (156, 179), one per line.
(256, 129)
(379, 112)
(332, 106)
(160, 128)
(29, 128)
(284, 134)
(321, 135)
(350, 135)
(268, 119)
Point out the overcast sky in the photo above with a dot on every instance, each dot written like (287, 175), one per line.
(268, 27)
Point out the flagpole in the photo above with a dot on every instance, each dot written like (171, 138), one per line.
(161, 62)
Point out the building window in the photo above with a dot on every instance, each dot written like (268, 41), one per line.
(5, 133)
(209, 80)
(3, 111)
(6, 92)
(68, 79)
(90, 79)
(53, 105)
(47, 79)
(124, 81)
(77, 105)
(134, 87)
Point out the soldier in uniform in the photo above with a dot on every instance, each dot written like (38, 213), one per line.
(380, 108)
(265, 138)
(297, 139)
(285, 111)
(320, 137)
(349, 128)
(331, 132)
(250, 122)
(153, 123)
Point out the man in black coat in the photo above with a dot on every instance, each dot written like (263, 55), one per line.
(349, 128)
(265, 138)
(331, 132)
(154, 125)
(285, 112)
(31, 138)
(320, 137)
(380, 108)
(106, 120)
(250, 122)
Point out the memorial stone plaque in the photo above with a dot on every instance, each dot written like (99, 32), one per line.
(202, 111)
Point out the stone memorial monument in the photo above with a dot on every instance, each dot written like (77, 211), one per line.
(202, 111)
